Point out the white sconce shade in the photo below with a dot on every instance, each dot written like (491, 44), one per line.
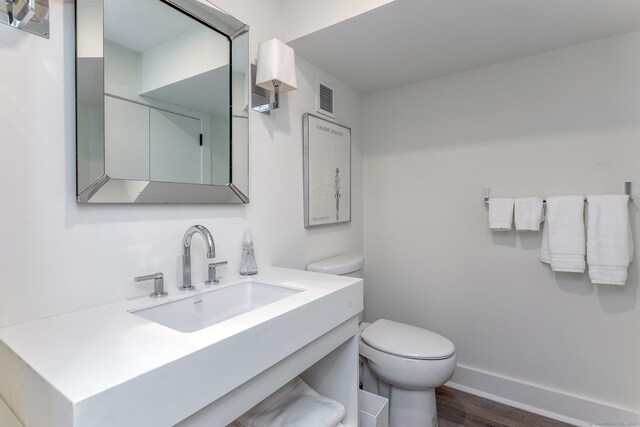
(276, 66)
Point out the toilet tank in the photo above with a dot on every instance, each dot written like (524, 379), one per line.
(344, 265)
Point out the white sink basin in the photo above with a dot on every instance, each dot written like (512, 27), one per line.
(206, 309)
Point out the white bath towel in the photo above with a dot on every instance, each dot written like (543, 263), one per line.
(500, 214)
(565, 233)
(545, 256)
(528, 213)
(295, 404)
(609, 243)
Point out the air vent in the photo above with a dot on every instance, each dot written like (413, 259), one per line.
(324, 99)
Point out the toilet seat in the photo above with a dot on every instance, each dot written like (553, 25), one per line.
(411, 342)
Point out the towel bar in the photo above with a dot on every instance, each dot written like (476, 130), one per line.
(487, 193)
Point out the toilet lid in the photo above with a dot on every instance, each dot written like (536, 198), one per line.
(407, 341)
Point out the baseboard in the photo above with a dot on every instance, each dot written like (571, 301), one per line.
(552, 404)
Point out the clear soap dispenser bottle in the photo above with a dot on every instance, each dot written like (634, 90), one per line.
(248, 265)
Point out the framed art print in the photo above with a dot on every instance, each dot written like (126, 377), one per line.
(327, 171)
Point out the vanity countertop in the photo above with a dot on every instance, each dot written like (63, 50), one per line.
(90, 367)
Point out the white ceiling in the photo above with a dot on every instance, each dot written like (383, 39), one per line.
(407, 41)
(143, 24)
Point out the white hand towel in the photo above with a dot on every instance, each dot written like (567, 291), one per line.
(609, 242)
(295, 404)
(528, 214)
(565, 223)
(500, 214)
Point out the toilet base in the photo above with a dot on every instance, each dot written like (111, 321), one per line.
(416, 408)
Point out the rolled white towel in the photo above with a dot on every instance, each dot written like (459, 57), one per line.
(500, 214)
(565, 223)
(609, 242)
(528, 213)
(295, 404)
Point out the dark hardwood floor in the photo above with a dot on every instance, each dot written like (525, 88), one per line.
(457, 408)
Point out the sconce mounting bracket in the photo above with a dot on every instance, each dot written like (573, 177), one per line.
(28, 15)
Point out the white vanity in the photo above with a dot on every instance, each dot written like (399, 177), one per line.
(171, 361)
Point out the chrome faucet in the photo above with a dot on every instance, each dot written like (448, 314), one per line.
(186, 253)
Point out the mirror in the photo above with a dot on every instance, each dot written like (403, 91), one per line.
(162, 102)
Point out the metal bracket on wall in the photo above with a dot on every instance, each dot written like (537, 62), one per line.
(28, 15)
(260, 97)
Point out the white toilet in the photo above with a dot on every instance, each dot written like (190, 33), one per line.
(408, 362)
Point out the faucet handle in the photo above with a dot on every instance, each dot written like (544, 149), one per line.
(158, 284)
(213, 272)
(218, 264)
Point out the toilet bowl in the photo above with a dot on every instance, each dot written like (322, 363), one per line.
(408, 362)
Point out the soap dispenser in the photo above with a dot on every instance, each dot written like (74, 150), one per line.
(248, 265)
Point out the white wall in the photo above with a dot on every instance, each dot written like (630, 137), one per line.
(58, 256)
(195, 52)
(122, 66)
(563, 122)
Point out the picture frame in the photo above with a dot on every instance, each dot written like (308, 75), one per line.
(327, 171)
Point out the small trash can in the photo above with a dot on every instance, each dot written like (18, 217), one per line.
(373, 410)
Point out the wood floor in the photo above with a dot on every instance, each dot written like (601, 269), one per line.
(457, 408)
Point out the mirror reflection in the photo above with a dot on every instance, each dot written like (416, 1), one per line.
(159, 100)
(166, 114)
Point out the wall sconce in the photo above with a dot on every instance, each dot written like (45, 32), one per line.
(275, 72)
